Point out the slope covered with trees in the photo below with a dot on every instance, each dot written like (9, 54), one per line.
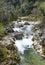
(10, 8)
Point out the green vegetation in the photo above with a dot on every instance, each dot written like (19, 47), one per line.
(36, 10)
(2, 29)
(3, 52)
(11, 9)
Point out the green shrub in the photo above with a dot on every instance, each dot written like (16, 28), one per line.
(3, 52)
(2, 29)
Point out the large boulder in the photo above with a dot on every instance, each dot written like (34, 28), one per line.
(9, 30)
(19, 35)
(26, 23)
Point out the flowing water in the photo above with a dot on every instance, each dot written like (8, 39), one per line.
(26, 41)
(28, 54)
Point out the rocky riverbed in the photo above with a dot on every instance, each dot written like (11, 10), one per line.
(21, 33)
(25, 34)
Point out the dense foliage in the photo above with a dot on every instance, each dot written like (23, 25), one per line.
(10, 8)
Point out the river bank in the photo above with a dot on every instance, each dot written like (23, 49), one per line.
(40, 37)
(25, 35)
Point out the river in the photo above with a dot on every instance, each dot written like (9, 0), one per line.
(27, 29)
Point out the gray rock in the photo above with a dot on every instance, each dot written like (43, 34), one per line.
(19, 35)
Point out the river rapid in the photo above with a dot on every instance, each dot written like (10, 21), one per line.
(27, 28)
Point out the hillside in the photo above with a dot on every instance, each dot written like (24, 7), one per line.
(22, 8)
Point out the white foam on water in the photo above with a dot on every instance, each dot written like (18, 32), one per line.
(21, 44)
(26, 41)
